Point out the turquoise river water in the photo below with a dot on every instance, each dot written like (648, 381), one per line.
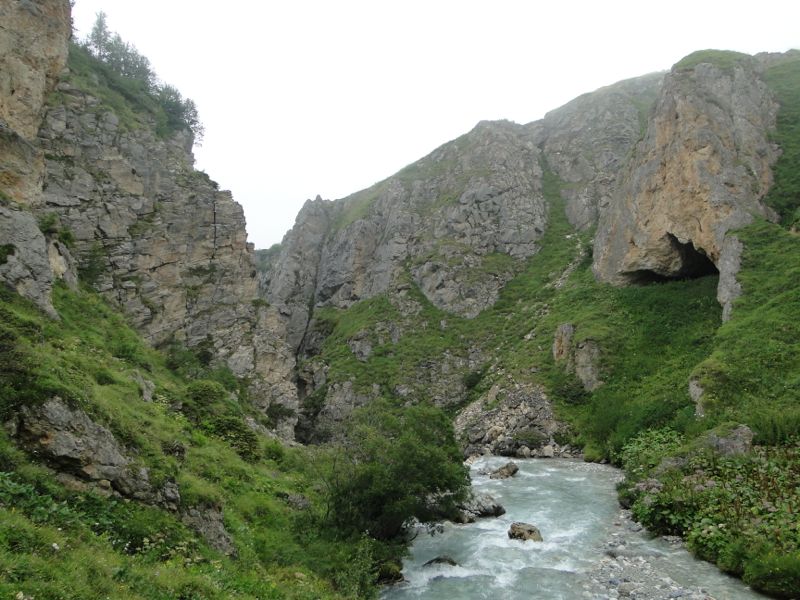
(575, 507)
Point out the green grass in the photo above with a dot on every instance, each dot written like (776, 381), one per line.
(107, 547)
(753, 373)
(784, 195)
(725, 60)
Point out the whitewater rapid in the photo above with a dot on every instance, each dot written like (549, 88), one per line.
(574, 505)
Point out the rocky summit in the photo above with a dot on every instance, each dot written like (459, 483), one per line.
(617, 281)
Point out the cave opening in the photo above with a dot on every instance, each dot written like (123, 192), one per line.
(695, 263)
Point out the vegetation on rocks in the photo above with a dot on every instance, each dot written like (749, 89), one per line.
(123, 79)
(784, 196)
(192, 431)
(722, 59)
(654, 338)
(246, 516)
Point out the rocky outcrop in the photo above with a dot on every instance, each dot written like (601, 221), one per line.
(208, 522)
(159, 240)
(33, 50)
(441, 560)
(700, 171)
(68, 440)
(589, 140)
(24, 263)
(738, 440)
(480, 506)
(507, 470)
(447, 219)
(507, 420)
(457, 224)
(579, 357)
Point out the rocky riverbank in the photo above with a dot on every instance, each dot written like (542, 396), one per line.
(633, 569)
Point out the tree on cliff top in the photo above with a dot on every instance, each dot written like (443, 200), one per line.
(124, 60)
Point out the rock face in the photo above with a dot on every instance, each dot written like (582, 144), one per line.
(67, 439)
(457, 225)
(154, 236)
(158, 239)
(701, 170)
(207, 521)
(33, 50)
(446, 218)
(25, 265)
(588, 140)
(581, 358)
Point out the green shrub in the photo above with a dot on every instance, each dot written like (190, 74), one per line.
(277, 412)
(473, 378)
(532, 438)
(235, 431)
(6, 250)
(48, 223)
(775, 574)
(395, 461)
(66, 237)
(648, 449)
(92, 264)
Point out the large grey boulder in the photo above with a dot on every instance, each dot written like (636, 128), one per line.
(507, 470)
(24, 261)
(524, 532)
(738, 440)
(68, 440)
(480, 506)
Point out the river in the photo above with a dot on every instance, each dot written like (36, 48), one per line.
(575, 507)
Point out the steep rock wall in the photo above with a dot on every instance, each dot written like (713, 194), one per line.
(157, 238)
(458, 224)
(701, 170)
(440, 218)
(590, 139)
(33, 50)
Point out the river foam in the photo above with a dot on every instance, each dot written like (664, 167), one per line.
(574, 506)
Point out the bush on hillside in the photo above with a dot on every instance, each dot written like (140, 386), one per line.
(398, 464)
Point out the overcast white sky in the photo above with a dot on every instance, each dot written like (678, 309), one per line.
(303, 97)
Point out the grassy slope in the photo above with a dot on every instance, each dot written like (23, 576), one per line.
(112, 548)
(784, 80)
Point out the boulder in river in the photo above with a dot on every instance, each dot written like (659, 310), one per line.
(441, 560)
(480, 505)
(507, 470)
(524, 532)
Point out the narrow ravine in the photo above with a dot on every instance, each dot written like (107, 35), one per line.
(591, 548)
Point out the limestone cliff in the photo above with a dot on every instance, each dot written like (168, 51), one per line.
(701, 170)
(82, 165)
(154, 235)
(588, 140)
(33, 50)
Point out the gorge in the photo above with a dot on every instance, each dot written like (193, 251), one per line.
(186, 416)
